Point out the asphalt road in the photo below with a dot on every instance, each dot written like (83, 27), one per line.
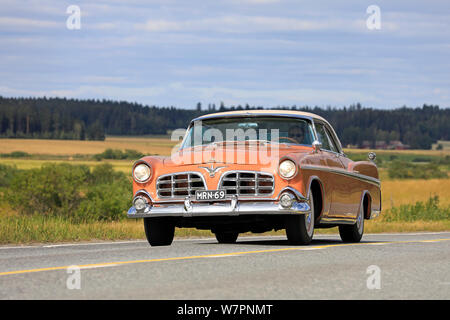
(382, 266)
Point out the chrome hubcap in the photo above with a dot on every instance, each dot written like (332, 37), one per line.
(309, 219)
(359, 221)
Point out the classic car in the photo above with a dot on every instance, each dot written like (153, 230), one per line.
(256, 171)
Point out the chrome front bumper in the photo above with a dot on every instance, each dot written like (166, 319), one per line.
(232, 207)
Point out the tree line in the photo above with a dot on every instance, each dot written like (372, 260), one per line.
(61, 118)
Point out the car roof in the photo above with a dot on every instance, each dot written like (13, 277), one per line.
(281, 113)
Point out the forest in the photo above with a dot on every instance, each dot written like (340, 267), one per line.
(62, 118)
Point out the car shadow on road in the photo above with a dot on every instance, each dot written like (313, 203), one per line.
(285, 242)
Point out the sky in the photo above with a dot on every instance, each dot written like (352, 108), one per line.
(265, 53)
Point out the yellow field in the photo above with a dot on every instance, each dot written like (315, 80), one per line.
(146, 145)
(398, 192)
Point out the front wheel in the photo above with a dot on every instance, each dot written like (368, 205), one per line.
(300, 228)
(159, 231)
(354, 232)
(226, 237)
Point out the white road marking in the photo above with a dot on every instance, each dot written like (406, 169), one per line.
(90, 244)
(71, 244)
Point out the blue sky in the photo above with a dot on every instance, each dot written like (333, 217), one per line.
(261, 52)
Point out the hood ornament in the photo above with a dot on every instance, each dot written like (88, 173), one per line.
(211, 170)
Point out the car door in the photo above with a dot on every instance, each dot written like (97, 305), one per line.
(331, 181)
(346, 189)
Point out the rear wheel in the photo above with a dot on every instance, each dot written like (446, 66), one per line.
(226, 237)
(354, 232)
(300, 228)
(159, 231)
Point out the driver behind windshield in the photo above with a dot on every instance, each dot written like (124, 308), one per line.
(297, 133)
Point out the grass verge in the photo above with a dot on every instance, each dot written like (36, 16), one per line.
(39, 229)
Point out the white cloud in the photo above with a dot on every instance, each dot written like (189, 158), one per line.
(14, 23)
(254, 2)
(401, 24)
(258, 1)
(103, 79)
(241, 24)
(104, 26)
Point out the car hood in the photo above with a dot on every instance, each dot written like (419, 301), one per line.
(251, 155)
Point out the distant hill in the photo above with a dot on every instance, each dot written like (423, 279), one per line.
(61, 118)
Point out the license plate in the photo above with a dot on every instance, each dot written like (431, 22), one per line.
(210, 195)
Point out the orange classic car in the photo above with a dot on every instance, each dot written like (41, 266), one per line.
(256, 171)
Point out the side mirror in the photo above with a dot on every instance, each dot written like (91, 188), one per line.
(372, 156)
(316, 145)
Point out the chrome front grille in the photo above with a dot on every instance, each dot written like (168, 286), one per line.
(179, 185)
(247, 183)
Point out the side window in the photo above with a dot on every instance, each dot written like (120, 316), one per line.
(322, 136)
(325, 138)
(333, 145)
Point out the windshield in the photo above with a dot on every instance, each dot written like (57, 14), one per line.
(267, 129)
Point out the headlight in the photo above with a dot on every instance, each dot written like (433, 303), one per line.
(140, 203)
(286, 200)
(287, 169)
(142, 172)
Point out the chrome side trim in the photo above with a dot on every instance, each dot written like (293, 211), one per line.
(358, 176)
(335, 220)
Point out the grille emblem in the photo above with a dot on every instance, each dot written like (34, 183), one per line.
(211, 170)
